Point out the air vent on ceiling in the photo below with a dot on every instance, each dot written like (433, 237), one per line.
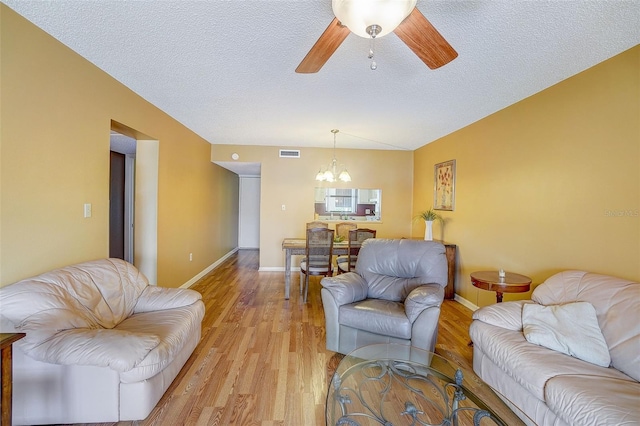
(290, 153)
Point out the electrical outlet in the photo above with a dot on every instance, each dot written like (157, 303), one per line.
(190, 257)
(87, 210)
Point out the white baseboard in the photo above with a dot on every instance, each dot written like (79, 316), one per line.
(208, 269)
(464, 302)
(271, 269)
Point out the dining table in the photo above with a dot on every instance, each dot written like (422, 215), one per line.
(297, 246)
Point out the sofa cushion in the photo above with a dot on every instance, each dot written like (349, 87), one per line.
(613, 298)
(173, 327)
(395, 267)
(506, 314)
(377, 316)
(530, 365)
(91, 295)
(587, 400)
(119, 350)
(42, 310)
(159, 298)
(571, 328)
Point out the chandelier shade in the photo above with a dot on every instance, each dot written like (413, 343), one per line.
(360, 15)
(333, 172)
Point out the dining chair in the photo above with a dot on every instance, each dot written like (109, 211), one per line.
(343, 228)
(347, 263)
(318, 258)
(317, 224)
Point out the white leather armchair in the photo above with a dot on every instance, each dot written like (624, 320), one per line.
(101, 345)
(394, 296)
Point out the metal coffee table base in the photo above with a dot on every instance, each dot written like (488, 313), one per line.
(400, 385)
(405, 375)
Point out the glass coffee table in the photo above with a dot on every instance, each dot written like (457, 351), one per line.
(392, 384)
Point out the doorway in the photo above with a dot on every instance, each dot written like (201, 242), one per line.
(249, 182)
(143, 208)
(249, 212)
(121, 196)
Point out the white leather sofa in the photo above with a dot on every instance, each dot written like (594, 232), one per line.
(101, 344)
(557, 386)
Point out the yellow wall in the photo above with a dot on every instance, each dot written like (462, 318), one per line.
(535, 182)
(548, 184)
(291, 182)
(56, 111)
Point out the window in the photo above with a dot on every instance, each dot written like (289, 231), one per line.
(347, 204)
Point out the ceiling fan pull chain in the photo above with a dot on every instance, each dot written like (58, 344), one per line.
(373, 31)
(373, 62)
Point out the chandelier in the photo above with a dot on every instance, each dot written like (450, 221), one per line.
(331, 174)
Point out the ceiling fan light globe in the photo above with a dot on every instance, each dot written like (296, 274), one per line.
(357, 15)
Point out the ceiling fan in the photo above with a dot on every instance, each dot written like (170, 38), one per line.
(375, 18)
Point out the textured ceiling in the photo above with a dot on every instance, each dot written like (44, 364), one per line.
(225, 69)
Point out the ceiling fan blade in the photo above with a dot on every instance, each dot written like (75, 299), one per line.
(425, 41)
(320, 53)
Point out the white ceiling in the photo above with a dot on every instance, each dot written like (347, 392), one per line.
(225, 69)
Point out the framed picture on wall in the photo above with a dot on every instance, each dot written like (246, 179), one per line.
(444, 185)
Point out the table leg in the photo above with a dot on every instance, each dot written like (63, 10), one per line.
(498, 297)
(6, 385)
(287, 273)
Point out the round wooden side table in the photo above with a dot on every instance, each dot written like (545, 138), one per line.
(492, 281)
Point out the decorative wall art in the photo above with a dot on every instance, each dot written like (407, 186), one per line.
(444, 188)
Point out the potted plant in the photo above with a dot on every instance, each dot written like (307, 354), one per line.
(429, 216)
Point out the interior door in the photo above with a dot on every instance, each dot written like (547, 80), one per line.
(116, 205)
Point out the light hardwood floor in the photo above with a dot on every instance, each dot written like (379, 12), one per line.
(262, 359)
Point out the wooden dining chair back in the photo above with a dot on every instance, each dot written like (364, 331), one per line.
(347, 263)
(317, 224)
(318, 256)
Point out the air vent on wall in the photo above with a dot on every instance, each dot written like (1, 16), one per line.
(290, 153)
